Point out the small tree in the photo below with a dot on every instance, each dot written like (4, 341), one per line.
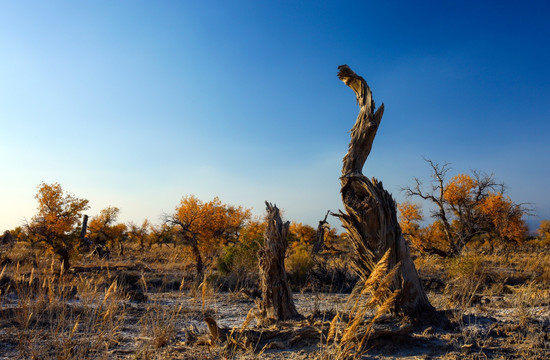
(104, 232)
(206, 226)
(57, 222)
(301, 233)
(466, 207)
(162, 234)
(139, 233)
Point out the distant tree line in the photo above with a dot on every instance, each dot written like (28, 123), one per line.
(208, 229)
(466, 209)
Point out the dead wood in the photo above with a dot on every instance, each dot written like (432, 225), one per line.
(290, 334)
(322, 228)
(276, 303)
(370, 211)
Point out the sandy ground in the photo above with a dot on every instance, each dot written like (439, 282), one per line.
(496, 328)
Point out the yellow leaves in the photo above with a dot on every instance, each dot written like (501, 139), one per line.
(504, 216)
(58, 212)
(459, 189)
(409, 218)
(409, 212)
(210, 223)
(468, 207)
(254, 230)
(544, 230)
(498, 216)
(302, 234)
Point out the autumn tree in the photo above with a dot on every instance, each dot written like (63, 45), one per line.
(56, 224)
(425, 239)
(231, 221)
(104, 232)
(544, 230)
(301, 234)
(139, 233)
(206, 226)
(162, 234)
(466, 207)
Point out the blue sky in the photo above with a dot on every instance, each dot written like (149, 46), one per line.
(136, 103)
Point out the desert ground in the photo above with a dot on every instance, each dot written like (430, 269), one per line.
(147, 306)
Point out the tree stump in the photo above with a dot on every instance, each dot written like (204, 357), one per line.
(370, 211)
(322, 229)
(276, 303)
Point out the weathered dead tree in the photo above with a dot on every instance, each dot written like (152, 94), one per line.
(322, 229)
(94, 248)
(370, 211)
(276, 303)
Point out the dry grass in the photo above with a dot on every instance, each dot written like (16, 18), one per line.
(40, 311)
(349, 332)
(500, 303)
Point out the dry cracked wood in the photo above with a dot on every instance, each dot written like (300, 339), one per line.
(370, 211)
(276, 303)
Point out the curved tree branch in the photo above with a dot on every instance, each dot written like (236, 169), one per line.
(366, 125)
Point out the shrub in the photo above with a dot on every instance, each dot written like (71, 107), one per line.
(298, 265)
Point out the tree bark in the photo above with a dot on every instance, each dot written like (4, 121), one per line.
(370, 211)
(276, 303)
(198, 258)
(322, 228)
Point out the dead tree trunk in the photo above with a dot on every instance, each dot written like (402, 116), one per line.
(276, 303)
(370, 218)
(322, 228)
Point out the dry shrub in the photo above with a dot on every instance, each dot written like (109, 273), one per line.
(332, 273)
(238, 266)
(467, 276)
(48, 323)
(298, 265)
(158, 325)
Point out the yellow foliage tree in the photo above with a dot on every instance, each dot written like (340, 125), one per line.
(103, 230)
(206, 226)
(57, 222)
(544, 230)
(467, 207)
(301, 234)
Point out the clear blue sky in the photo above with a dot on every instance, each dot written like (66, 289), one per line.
(136, 103)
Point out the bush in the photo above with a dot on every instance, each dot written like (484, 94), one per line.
(298, 265)
(238, 266)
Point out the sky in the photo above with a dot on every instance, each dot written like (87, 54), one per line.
(136, 104)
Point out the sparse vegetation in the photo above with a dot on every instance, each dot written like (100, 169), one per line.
(146, 305)
(210, 282)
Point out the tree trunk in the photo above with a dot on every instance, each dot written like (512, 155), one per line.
(370, 218)
(276, 303)
(322, 228)
(84, 227)
(198, 258)
(64, 258)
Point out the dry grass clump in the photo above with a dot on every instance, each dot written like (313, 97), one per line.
(40, 310)
(158, 325)
(349, 331)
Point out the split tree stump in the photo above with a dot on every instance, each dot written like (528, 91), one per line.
(370, 211)
(276, 303)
